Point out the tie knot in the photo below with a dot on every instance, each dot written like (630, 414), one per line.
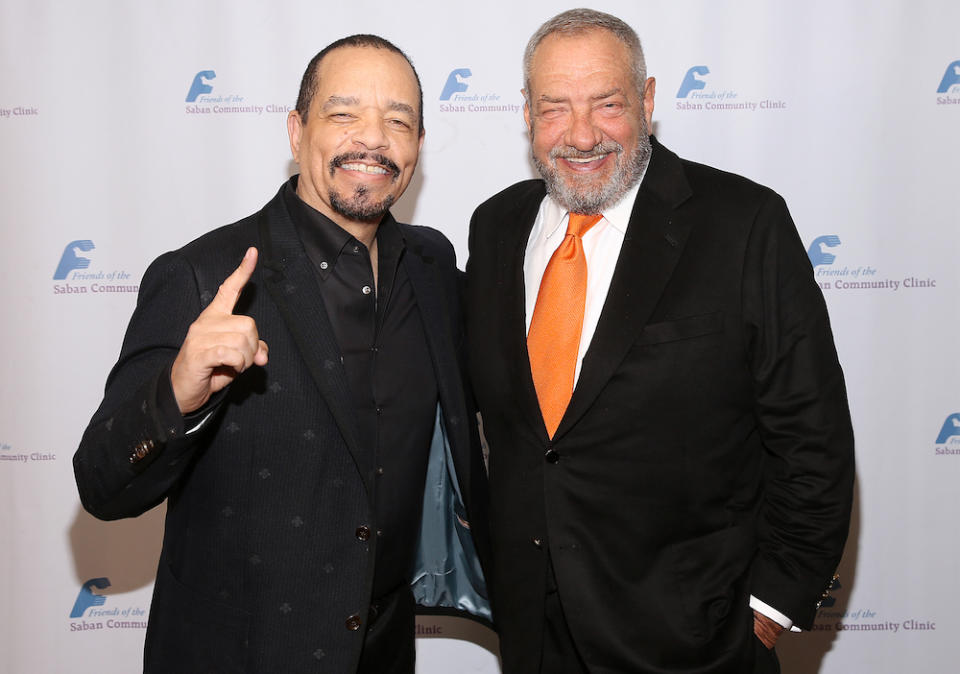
(580, 223)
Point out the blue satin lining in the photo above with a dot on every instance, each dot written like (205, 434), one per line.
(447, 572)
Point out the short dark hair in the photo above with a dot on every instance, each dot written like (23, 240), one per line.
(308, 85)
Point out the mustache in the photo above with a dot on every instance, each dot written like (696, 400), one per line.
(569, 152)
(380, 159)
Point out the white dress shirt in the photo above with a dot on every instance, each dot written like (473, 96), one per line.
(601, 246)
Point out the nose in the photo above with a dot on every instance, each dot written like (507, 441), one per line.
(582, 132)
(371, 134)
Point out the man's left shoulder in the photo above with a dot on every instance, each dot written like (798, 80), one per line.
(429, 243)
(715, 183)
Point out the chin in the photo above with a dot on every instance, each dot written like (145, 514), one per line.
(585, 186)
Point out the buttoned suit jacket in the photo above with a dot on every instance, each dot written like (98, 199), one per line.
(268, 554)
(706, 453)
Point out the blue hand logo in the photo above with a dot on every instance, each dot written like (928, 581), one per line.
(70, 260)
(456, 82)
(690, 81)
(816, 253)
(199, 86)
(87, 598)
(951, 428)
(951, 77)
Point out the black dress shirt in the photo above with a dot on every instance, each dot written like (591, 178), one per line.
(390, 374)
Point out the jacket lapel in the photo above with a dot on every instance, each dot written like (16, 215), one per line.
(292, 283)
(654, 242)
(428, 288)
(511, 250)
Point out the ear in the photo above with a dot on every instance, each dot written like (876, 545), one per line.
(649, 91)
(423, 135)
(526, 110)
(295, 130)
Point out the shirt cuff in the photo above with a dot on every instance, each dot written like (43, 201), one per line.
(190, 423)
(200, 424)
(773, 614)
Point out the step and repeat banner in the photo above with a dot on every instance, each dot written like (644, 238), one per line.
(128, 129)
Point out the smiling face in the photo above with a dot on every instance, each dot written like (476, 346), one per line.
(588, 124)
(358, 147)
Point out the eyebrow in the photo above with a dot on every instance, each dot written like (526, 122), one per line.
(340, 100)
(395, 106)
(607, 94)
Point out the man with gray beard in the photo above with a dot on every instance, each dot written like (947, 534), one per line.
(671, 453)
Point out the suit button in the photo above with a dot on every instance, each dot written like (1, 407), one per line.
(363, 533)
(537, 543)
(551, 455)
(353, 623)
(141, 449)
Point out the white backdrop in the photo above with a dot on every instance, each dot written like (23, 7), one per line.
(851, 110)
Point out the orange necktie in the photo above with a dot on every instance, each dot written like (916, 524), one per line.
(554, 338)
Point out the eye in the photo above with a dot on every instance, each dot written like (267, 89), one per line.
(611, 107)
(399, 123)
(551, 113)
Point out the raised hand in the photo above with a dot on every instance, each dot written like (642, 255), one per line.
(219, 345)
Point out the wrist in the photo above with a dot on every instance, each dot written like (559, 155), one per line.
(765, 629)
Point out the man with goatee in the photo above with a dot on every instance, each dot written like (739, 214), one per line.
(306, 422)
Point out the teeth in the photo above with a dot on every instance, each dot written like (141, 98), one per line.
(364, 168)
(585, 160)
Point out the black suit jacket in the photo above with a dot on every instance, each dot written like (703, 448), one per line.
(707, 451)
(267, 561)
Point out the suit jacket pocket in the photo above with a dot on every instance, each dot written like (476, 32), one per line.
(191, 632)
(681, 328)
(712, 572)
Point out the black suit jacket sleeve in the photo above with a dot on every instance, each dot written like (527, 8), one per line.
(801, 410)
(135, 447)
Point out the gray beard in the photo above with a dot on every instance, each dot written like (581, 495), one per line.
(359, 206)
(596, 198)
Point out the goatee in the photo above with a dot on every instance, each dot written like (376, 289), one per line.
(358, 206)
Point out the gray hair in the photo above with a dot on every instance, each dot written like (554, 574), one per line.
(579, 21)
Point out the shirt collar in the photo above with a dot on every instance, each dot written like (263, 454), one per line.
(618, 215)
(324, 240)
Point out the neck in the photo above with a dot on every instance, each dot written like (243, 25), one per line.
(364, 231)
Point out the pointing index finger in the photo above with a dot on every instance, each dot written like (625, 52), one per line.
(232, 286)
